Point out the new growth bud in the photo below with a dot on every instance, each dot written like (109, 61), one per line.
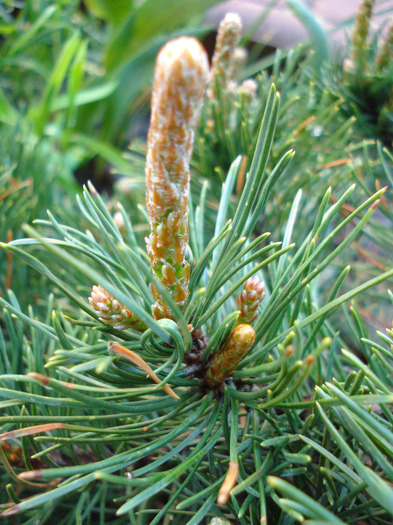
(385, 56)
(112, 312)
(224, 67)
(180, 79)
(248, 89)
(249, 300)
(239, 60)
(235, 348)
(360, 34)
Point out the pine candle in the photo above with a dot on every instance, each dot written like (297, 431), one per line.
(225, 59)
(180, 78)
(235, 348)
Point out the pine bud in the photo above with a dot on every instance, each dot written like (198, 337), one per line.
(239, 60)
(386, 54)
(180, 78)
(360, 34)
(248, 89)
(235, 348)
(112, 312)
(249, 300)
(228, 37)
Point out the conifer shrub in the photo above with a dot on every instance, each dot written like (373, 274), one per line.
(196, 375)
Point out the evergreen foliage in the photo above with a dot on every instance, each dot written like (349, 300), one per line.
(265, 395)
